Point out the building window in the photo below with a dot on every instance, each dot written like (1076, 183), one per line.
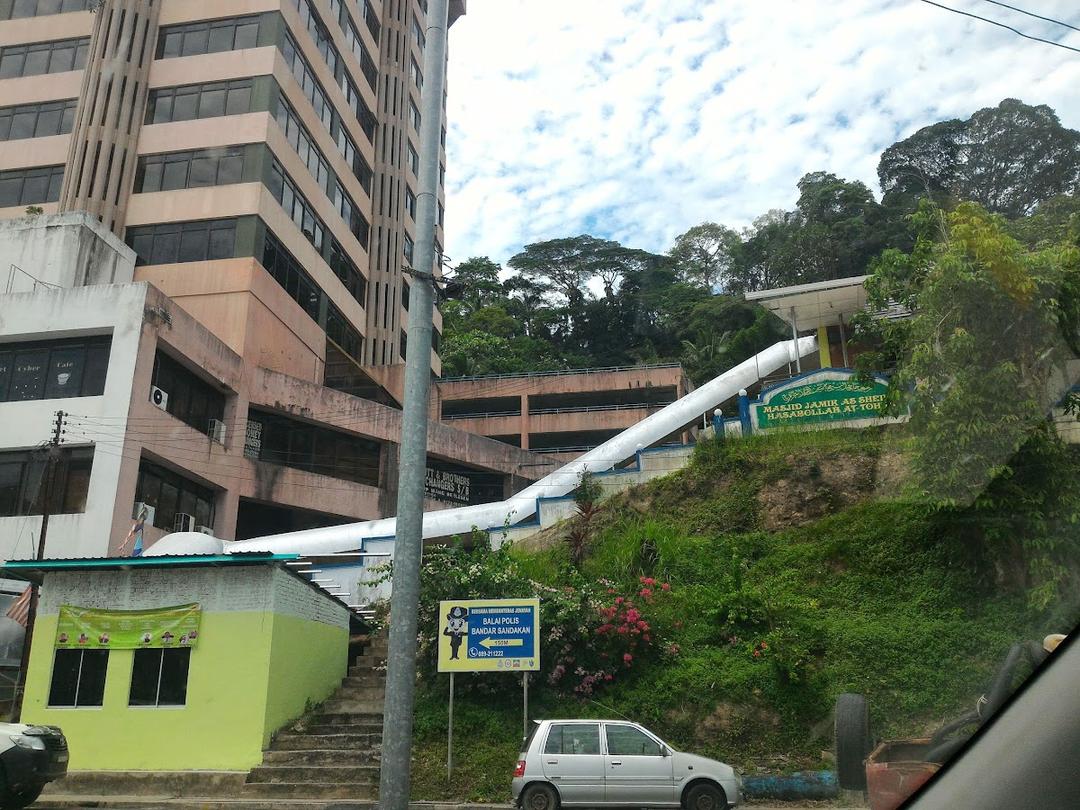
(176, 170)
(296, 206)
(360, 51)
(18, 9)
(442, 175)
(78, 678)
(303, 74)
(442, 136)
(403, 344)
(414, 158)
(37, 120)
(343, 334)
(414, 115)
(30, 186)
(436, 340)
(371, 20)
(441, 214)
(319, 34)
(407, 249)
(43, 57)
(357, 222)
(302, 142)
(418, 34)
(405, 296)
(347, 272)
(208, 37)
(303, 446)
(364, 116)
(415, 74)
(22, 482)
(167, 495)
(56, 369)
(360, 168)
(159, 677)
(194, 101)
(292, 278)
(410, 202)
(172, 242)
(189, 398)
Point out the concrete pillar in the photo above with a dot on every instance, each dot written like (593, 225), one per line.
(824, 355)
(524, 421)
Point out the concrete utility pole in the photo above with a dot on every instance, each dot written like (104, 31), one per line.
(52, 449)
(394, 774)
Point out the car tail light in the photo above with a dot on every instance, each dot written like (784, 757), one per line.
(519, 769)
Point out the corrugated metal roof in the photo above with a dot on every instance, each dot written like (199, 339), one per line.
(32, 570)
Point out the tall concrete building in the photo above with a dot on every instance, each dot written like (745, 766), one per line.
(232, 143)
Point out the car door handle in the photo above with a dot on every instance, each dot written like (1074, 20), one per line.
(616, 762)
(553, 762)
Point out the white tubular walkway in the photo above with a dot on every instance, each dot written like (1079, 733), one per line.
(463, 520)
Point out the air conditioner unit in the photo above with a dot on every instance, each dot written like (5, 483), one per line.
(184, 522)
(159, 397)
(217, 431)
(205, 530)
(138, 510)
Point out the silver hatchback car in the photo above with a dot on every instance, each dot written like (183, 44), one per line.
(615, 763)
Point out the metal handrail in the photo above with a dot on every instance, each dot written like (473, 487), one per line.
(556, 372)
(570, 409)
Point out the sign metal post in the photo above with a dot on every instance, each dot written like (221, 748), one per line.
(450, 733)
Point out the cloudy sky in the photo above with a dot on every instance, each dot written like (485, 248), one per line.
(636, 119)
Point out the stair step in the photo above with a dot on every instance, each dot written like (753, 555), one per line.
(322, 756)
(321, 774)
(359, 691)
(354, 707)
(335, 718)
(364, 677)
(308, 790)
(327, 741)
(345, 728)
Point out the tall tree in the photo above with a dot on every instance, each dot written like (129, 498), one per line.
(1007, 158)
(706, 255)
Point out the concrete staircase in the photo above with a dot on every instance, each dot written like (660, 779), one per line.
(649, 464)
(332, 753)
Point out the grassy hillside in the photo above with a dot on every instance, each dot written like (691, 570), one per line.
(796, 572)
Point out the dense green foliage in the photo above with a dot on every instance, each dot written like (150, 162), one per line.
(797, 570)
(585, 302)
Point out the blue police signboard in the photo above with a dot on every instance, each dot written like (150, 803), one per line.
(481, 635)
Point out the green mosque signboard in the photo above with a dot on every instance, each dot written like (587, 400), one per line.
(827, 396)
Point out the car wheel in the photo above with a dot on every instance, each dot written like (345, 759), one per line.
(852, 731)
(18, 799)
(539, 797)
(706, 797)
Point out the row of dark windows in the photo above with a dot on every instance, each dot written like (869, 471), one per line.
(53, 369)
(168, 494)
(311, 87)
(192, 101)
(31, 186)
(176, 170)
(314, 449)
(350, 213)
(159, 677)
(23, 488)
(208, 36)
(189, 398)
(37, 120)
(339, 330)
(40, 58)
(172, 242)
(19, 9)
(296, 206)
(301, 141)
(360, 51)
(346, 270)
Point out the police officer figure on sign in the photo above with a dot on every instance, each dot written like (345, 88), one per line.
(457, 627)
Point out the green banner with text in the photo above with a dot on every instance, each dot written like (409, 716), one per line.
(828, 400)
(90, 628)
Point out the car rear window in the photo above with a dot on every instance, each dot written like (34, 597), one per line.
(573, 738)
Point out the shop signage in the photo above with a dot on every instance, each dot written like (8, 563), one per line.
(253, 439)
(831, 395)
(482, 635)
(447, 487)
(90, 628)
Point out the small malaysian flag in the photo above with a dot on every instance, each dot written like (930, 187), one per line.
(20, 608)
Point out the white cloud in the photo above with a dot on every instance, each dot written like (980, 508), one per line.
(635, 121)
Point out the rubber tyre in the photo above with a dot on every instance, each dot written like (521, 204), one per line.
(706, 796)
(852, 735)
(539, 796)
(18, 799)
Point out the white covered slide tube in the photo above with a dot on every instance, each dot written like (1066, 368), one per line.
(463, 520)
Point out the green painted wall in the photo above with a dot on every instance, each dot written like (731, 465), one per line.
(222, 727)
(308, 661)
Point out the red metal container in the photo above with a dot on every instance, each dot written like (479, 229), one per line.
(895, 770)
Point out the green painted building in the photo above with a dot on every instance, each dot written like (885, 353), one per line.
(138, 696)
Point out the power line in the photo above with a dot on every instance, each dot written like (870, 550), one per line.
(1001, 25)
(1031, 14)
